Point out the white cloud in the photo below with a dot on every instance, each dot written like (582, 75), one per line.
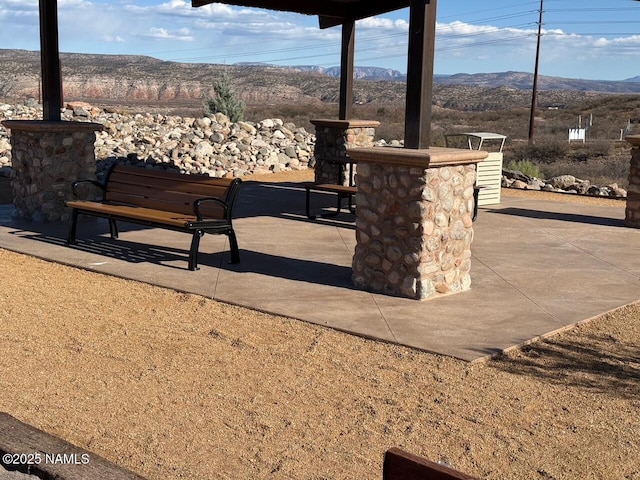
(161, 28)
(110, 38)
(378, 23)
(18, 8)
(73, 4)
(182, 34)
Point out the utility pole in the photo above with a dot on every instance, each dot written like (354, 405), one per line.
(534, 94)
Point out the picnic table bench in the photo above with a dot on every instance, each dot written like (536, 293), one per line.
(195, 204)
(341, 191)
(345, 191)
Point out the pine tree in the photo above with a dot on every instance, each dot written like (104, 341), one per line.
(226, 100)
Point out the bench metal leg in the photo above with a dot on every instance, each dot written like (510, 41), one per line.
(350, 207)
(73, 224)
(113, 228)
(340, 196)
(338, 208)
(193, 252)
(308, 200)
(233, 247)
(476, 195)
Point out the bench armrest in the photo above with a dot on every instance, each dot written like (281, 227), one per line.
(95, 183)
(197, 203)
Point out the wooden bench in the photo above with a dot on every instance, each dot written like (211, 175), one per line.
(195, 204)
(342, 192)
(29, 450)
(401, 465)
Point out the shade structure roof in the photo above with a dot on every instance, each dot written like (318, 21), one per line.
(330, 12)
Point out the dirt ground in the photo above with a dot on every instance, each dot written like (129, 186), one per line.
(174, 386)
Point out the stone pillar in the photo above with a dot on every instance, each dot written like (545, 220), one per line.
(413, 220)
(632, 212)
(333, 138)
(47, 158)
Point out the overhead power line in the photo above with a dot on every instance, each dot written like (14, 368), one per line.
(468, 40)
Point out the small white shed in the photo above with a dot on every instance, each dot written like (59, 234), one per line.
(490, 169)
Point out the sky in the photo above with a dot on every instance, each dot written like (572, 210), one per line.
(585, 39)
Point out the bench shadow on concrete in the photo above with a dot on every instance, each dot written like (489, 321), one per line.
(253, 262)
(563, 217)
(130, 252)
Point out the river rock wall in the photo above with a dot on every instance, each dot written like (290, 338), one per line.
(211, 145)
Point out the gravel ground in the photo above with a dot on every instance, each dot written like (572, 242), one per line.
(179, 386)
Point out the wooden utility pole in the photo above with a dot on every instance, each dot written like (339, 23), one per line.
(534, 94)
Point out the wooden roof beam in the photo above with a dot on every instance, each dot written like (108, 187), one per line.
(331, 13)
(307, 7)
(50, 61)
(422, 39)
(346, 71)
(361, 10)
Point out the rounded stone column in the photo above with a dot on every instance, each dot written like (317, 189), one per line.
(333, 138)
(47, 158)
(632, 211)
(414, 224)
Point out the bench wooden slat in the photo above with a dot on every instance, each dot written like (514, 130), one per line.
(178, 202)
(152, 192)
(135, 213)
(182, 183)
(151, 176)
(330, 187)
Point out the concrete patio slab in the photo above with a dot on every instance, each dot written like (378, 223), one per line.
(538, 267)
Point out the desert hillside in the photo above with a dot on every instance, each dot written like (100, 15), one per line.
(129, 79)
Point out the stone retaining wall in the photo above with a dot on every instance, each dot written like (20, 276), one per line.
(210, 145)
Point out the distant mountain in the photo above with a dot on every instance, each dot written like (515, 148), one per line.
(524, 81)
(132, 79)
(359, 73)
(515, 80)
(362, 73)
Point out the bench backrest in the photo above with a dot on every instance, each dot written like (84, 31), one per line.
(170, 191)
(401, 465)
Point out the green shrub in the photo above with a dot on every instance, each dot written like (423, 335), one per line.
(542, 152)
(526, 167)
(226, 100)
